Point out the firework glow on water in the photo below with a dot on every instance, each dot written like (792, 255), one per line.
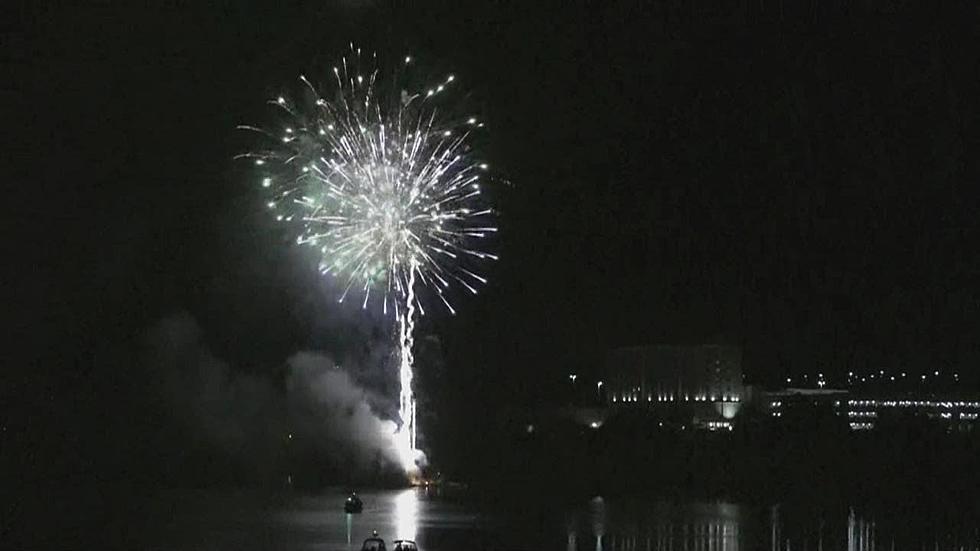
(382, 180)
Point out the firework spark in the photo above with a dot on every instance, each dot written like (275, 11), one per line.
(382, 181)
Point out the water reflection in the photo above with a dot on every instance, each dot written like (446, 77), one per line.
(611, 525)
(696, 536)
(629, 527)
(406, 514)
(350, 520)
(860, 534)
(597, 509)
(240, 521)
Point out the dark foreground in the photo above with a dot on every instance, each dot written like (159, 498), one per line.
(218, 520)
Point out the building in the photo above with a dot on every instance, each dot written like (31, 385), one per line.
(868, 412)
(804, 409)
(703, 382)
(949, 413)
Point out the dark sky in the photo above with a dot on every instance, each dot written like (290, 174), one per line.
(797, 179)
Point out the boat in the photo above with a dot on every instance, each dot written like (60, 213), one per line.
(404, 545)
(353, 504)
(374, 543)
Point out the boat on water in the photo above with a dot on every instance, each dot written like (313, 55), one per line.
(374, 543)
(353, 504)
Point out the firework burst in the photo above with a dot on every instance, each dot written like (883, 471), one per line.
(382, 180)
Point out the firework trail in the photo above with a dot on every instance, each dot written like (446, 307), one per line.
(381, 179)
(406, 438)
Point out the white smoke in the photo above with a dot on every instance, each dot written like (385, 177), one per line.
(316, 405)
(334, 412)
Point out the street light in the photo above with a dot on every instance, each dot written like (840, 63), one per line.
(572, 377)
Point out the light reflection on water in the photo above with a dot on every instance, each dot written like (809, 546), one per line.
(603, 526)
(213, 520)
(664, 527)
(597, 508)
(406, 514)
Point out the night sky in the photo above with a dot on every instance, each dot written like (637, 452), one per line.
(800, 181)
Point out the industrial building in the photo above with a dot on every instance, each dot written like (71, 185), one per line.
(702, 386)
(702, 381)
(874, 412)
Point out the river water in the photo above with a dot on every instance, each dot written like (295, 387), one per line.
(240, 521)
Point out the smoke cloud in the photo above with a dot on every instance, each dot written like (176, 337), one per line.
(334, 413)
(308, 415)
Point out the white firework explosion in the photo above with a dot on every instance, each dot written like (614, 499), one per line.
(384, 183)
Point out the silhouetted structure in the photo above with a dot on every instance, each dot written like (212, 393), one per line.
(700, 385)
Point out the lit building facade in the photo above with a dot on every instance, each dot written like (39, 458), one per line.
(869, 413)
(804, 402)
(705, 380)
